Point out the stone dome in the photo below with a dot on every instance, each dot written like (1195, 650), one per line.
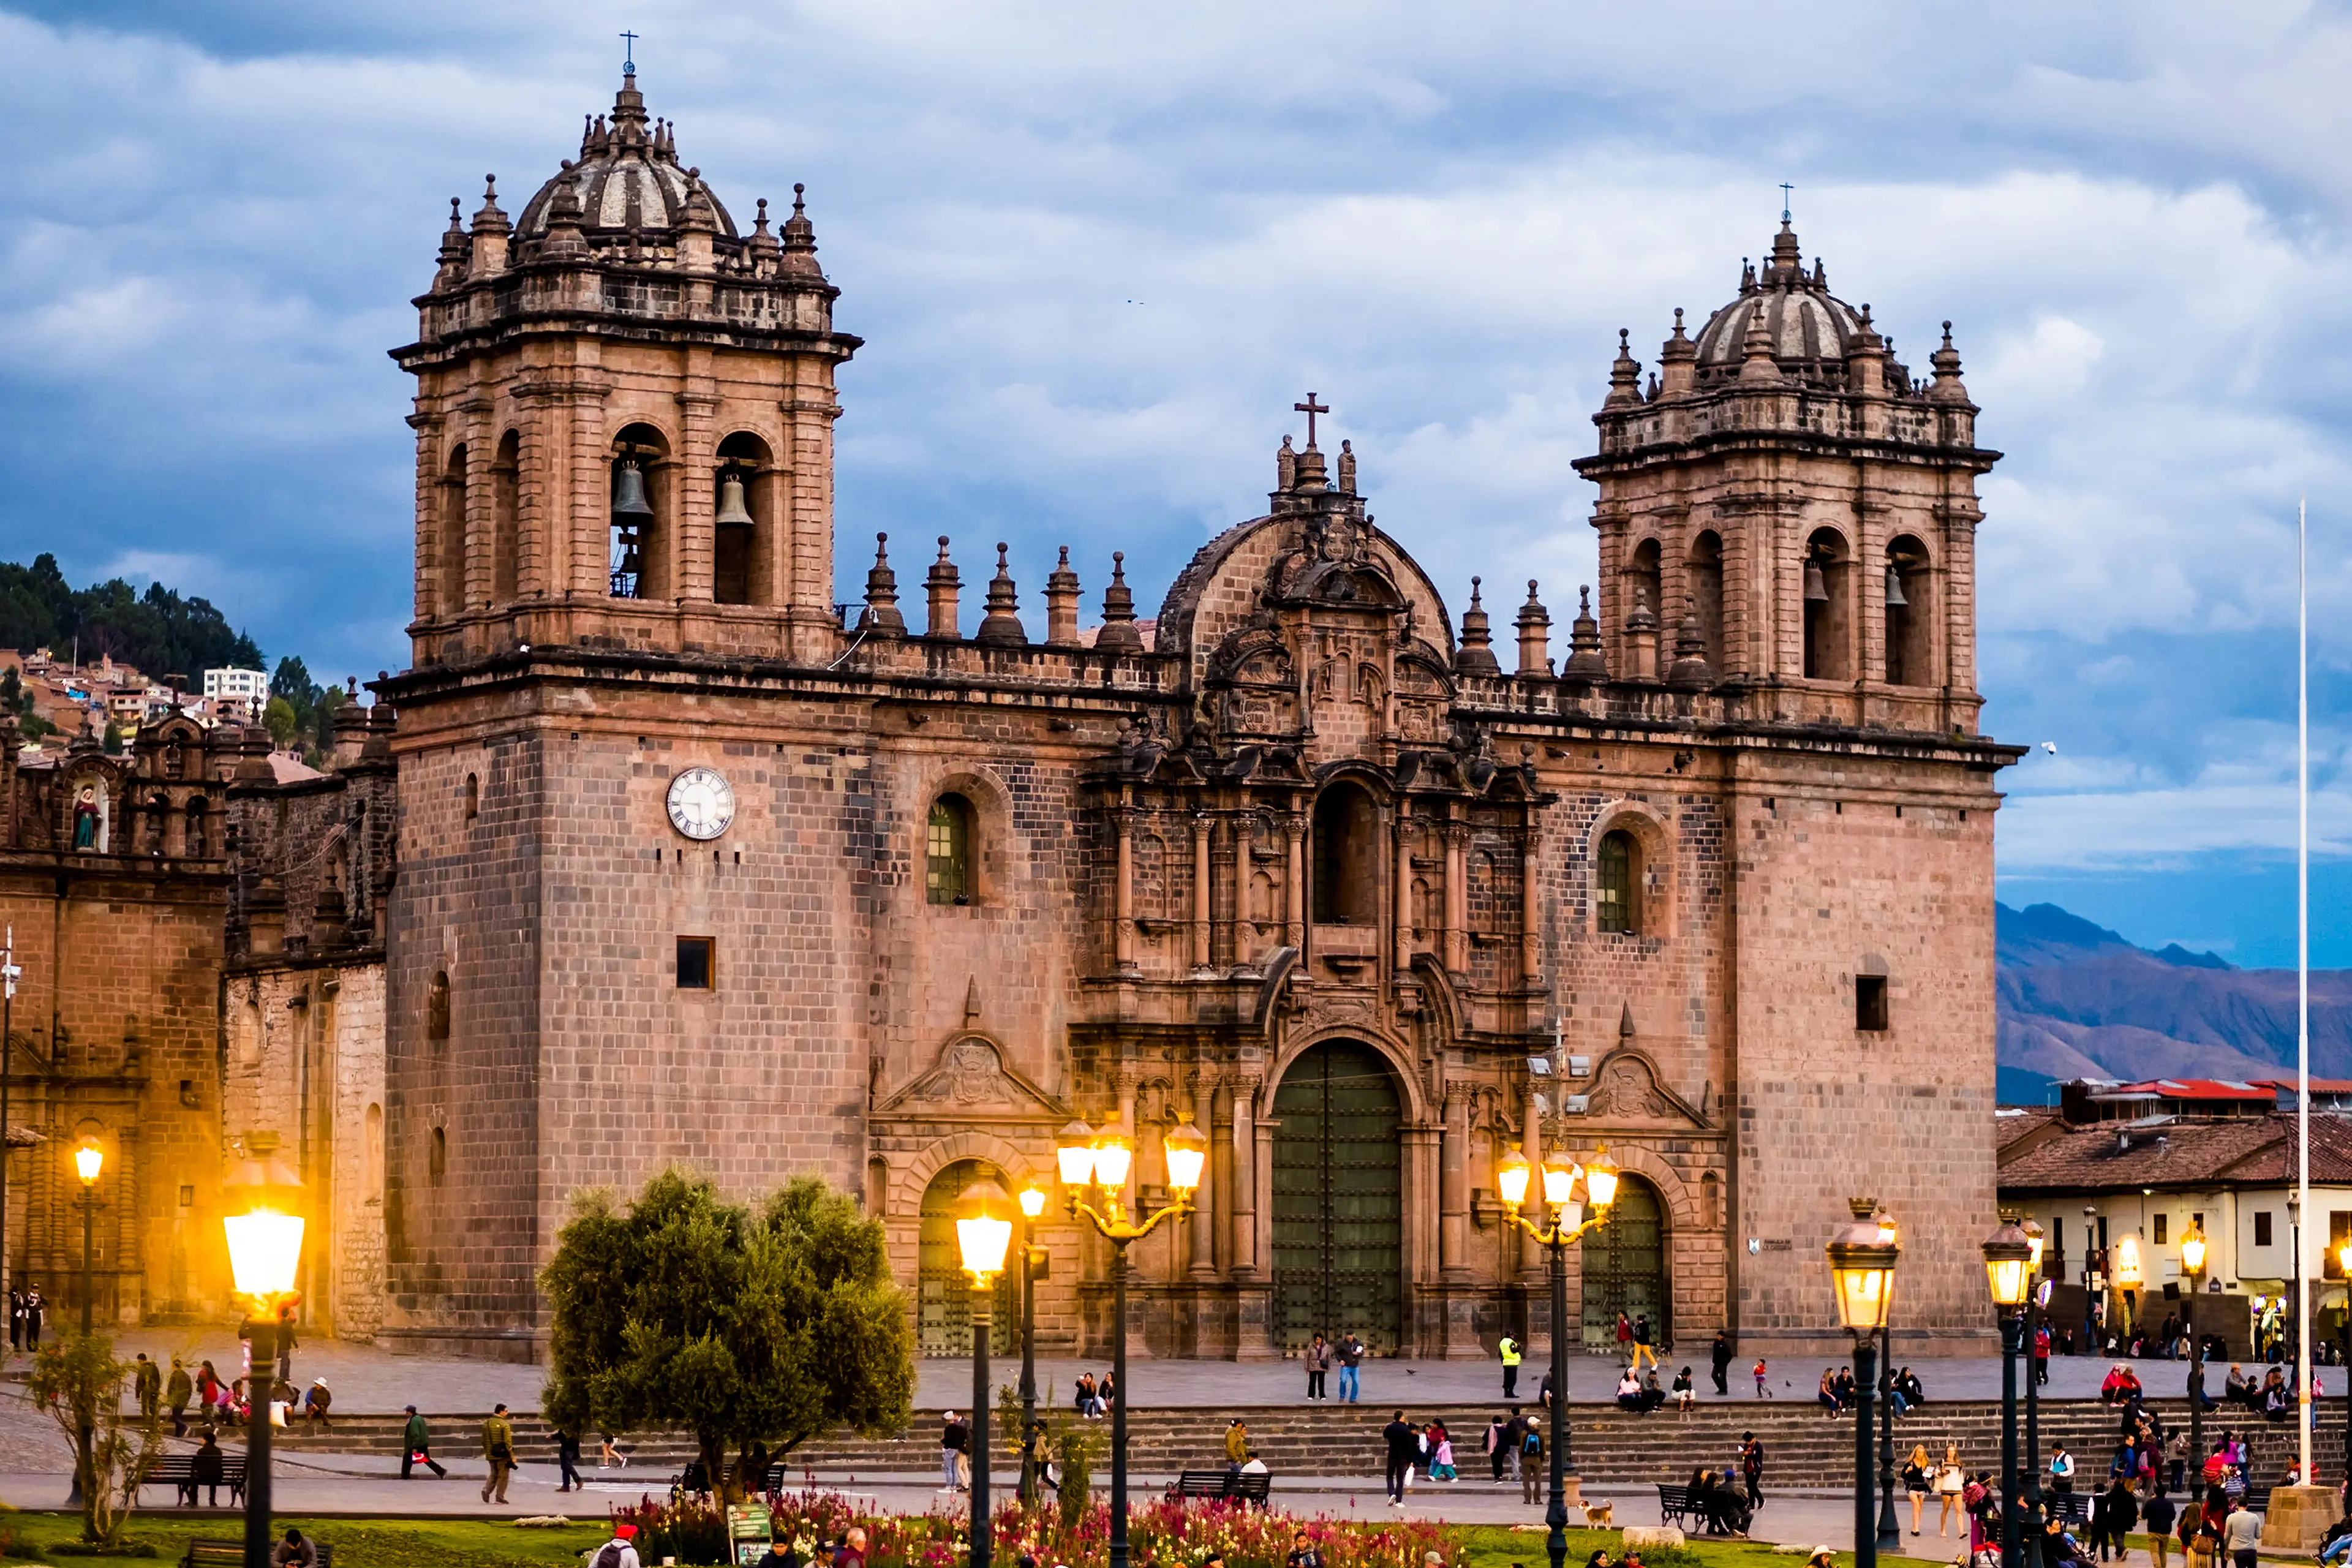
(628, 177)
(1810, 328)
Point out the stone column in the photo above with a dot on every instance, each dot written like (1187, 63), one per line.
(1295, 875)
(691, 547)
(1123, 934)
(1531, 1256)
(1530, 906)
(1404, 891)
(1457, 898)
(480, 502)
(1201, 826)
(1453, 1195)
(1202, 1225)
(1242, 1200)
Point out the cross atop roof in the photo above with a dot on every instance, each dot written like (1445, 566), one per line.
(1311, 408)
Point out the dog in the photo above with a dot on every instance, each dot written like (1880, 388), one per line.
(1599, 1515)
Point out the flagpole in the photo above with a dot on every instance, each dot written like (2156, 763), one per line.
(2302, 976)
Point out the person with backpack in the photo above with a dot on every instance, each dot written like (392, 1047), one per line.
(498, 1449)
(1531, 1466)
(620, 1552)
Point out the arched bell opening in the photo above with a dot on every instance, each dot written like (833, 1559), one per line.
(506, 547)
(1910, 615)
(1706, 576)
(640, 514)
(449, 538)
(743, 561)
(1828, 607)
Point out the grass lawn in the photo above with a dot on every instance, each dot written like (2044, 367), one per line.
(361, 1544)
(1499, 1546)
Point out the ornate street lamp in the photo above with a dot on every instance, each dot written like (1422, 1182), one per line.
(1565, 1184)
(2036, 1296)
(2343, 1266)
(1862, 1257)
(1101, 1161)
(2008, 1268)
(984, 1232)
(2192, 1268)
(265, 1252)
(1031, 1200)
(88, 1159)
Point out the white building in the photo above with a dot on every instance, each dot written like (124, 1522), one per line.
(245, 690)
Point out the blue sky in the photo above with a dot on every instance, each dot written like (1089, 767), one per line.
(1097, 253)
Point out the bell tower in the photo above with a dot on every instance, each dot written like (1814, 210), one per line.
(623, 417)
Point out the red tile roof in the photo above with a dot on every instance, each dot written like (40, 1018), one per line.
(2247, 1150)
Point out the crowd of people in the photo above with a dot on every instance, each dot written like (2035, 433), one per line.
(1836, 1392)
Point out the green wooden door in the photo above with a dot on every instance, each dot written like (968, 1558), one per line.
(1337, 1198)
(943, 1290)
(1625, 1267)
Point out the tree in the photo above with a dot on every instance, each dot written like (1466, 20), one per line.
(77, 1380)
(756, 1329)
(278, 719)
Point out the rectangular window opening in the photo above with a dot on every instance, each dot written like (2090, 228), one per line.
(1870, 1002)
(2261, 1227)
(694, 962)
(2160, 1221)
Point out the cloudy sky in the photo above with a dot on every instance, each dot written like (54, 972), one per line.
(1098, 250)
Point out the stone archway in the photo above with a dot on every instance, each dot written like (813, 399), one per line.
(943, 1290)
(1339, 1205)
(1624, 1268)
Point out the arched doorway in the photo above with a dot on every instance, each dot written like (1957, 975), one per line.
(1339, 1232)
(943, 1317)
(1625, 1267)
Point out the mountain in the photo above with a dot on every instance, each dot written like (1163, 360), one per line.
(2077, 1000)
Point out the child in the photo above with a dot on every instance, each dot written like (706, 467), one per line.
(1761, 1391)
(1441, 1463)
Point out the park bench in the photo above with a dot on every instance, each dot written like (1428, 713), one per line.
(1224, 1485)
(2258, 1499)
(1673, 1505)
(179, 1471)
(231, 1553)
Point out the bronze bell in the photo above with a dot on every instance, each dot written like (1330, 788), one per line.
(1817, 587)
(1894, 599)
(629, 503)
(633, 561)
(730, 500)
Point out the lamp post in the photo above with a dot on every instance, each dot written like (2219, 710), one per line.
(1102, 1162)
(2035, 1294)
(2343, 1266)
(983, 1231)
(2192, 1268)
(2295, 1247)
(1033, 1203)
(88, 1159)
(1562, 1178)
(2009, 1262)
(264, 1249)
(1861, 1258)
(1890, 1528)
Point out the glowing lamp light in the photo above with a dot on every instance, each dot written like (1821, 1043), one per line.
(1075, 1156)
(2008, 1263)
(1114, 1157)
(89, 1160)
(2129, 1274)
(2192, 1251)
(1559, 1183)
(1032, 1200)
(2343, 1254)
(2033, 1228)
(983, 1231)
(265, 1224)
(1600, 1180)
(1511, 1177)
(1861, 1258)
(1187, 1153)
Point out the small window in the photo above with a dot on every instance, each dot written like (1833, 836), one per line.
(1346, 889)
(2261, 1227)
(437, 1163)
(473, 797)
(436, 1007)
(1870, 1002)
(2159, 1228)
(947, 852)
(694, 962)
(1616, 889)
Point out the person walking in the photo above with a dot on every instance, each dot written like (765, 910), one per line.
(32, 1305)
(1507, 1349)
(1404, 1447)
(1763, 1389)
(1645, 1351)
(1319, 1368)
(498, 1448)
(1530, 1453)
(567, 1460)
(417, 1448)
(147, 1382)
(1751, 1469)
(1721, 1357)
(177, 1391)
(2159, 1515)
(621, 1552)
(1951, 1481)
(2123, 1514)
(1352, 1351)
(285, 1344)
(2241, 1534)
(1499, 1442)
(1624, 1336)
(954, 1435)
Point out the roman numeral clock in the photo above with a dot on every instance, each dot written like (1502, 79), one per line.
(701, 804)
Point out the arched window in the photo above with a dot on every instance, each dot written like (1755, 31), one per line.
(1707, 594)
(1617, 883)
(947, 852)
(1828, 607)
(638, 567)
(373, 1150)
(505, 502)
(1910, 621)
(1347, 858)
(436, 1162)
(1645, 578)
(196, 848)
(449, 553)
(473, 797)
(740, 561)
(436, 1007)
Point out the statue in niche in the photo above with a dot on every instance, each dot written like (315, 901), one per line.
(85, 818)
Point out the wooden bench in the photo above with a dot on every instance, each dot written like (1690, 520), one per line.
(179, 1471)
(1673, 1505)
(231, 1553)
(1228, 1486)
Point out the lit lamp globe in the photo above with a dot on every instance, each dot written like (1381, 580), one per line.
(2033, 1228)
(1074, 1157)
(1114, 1157)
(2343, 1255)
(983, 1231)
(2129, 1273)
(2009, 1265)
(1862, 1257)
(1031, 1200)
(2192, 1252)
(1188, 1155)
(1600, 1180)
(1511, 1177)
(264, 1225)
(89, 1160)
(1559, 1173)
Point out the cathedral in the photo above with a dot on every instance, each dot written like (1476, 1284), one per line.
(657, 854)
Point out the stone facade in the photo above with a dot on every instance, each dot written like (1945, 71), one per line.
(1729, 865)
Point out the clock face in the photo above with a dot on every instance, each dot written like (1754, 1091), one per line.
(701, 804)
